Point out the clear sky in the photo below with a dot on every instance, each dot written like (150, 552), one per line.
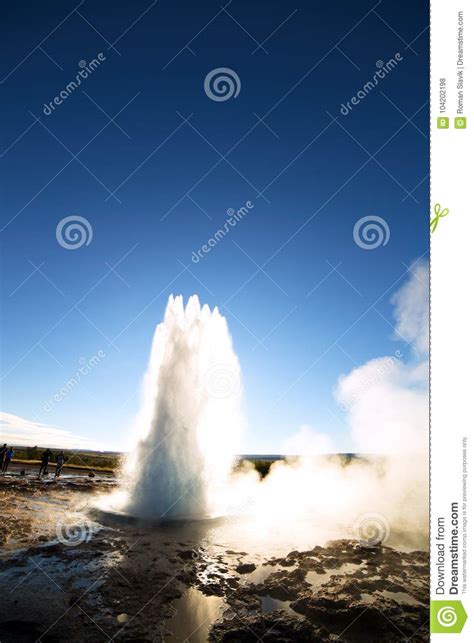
(296, 289)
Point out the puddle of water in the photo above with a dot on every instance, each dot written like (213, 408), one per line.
(316, 580)
(263, 572)
(400, 597)
(270, 604)
(254, 536)
(212, 570)
(195, 613)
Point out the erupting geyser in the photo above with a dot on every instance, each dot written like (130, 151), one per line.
(187, 431)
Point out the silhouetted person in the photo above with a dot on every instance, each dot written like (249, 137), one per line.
(8, 457)
(45, 458)
(3, 450)
(61, 459)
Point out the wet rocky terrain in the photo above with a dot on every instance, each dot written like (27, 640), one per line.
(69, 574)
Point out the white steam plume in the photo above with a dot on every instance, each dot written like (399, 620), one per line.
(386, 406)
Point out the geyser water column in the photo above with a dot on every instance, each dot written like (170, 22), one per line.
(187, 432)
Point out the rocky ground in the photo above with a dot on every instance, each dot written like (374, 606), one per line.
(67, 576)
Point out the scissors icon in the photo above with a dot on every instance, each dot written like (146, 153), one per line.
(439, 214)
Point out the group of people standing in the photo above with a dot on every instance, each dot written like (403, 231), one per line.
(7, 453)
(46, 457)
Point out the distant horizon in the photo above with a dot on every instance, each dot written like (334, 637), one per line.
(275, 456)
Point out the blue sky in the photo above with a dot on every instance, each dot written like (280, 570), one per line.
(309, 177)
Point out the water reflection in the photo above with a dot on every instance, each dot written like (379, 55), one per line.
(195, 613)
(270, 604)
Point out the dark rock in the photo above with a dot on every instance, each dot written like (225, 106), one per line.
(187, 554)
(381, 621)
(283, 585)
(278, 627)
(245, 568)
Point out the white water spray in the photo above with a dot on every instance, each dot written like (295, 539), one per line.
(187, 431)
(187, 435)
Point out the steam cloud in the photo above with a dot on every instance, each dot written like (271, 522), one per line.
(188, 435)
(386, 404)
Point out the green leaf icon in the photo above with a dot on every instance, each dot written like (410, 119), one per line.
(447, 617)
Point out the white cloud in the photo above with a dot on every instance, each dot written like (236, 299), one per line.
(388, 414)
(307, 441)
(386, 399)
(385, 402)
(412, 308)
(18, 431)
